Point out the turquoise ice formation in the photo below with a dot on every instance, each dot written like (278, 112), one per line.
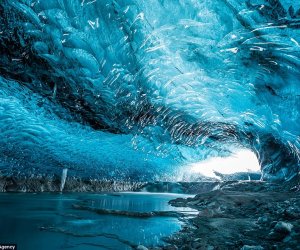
(138, 89)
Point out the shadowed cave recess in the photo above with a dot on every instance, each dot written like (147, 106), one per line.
(141, 89)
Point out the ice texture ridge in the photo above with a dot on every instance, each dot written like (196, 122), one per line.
(138, 89)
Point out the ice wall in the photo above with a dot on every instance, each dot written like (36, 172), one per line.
(140, 88)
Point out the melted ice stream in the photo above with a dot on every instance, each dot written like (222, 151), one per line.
(50, 221)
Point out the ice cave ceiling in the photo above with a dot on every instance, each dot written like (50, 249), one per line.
(141, 88)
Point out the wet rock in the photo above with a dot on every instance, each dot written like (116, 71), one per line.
(170, 247)
(196, 245)
(185, 247)
(245, 218)
(127, 213)
(283, 227)
(263, 219)
(179, 202)
(273, 223)
(286, 239)
(246, 247)
(292, 212)
(141, 247)
(280, 230)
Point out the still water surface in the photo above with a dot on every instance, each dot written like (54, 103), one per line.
(49, 221)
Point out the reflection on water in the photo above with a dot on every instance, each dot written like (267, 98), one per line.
(48, 221)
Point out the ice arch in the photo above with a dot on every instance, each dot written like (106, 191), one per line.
(135, 89)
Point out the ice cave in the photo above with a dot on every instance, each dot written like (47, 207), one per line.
(150, 124)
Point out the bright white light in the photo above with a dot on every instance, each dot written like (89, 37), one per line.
(242, 161)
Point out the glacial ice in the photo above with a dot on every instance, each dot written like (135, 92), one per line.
(139, 89)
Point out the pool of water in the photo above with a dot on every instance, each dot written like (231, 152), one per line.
(50, 221)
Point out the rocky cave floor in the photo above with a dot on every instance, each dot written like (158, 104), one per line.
(232, 214)
(240, 215)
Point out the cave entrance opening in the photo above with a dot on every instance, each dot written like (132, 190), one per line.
(243, 164)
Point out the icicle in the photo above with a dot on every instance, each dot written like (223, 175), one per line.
(63, 179)
(54, 91)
